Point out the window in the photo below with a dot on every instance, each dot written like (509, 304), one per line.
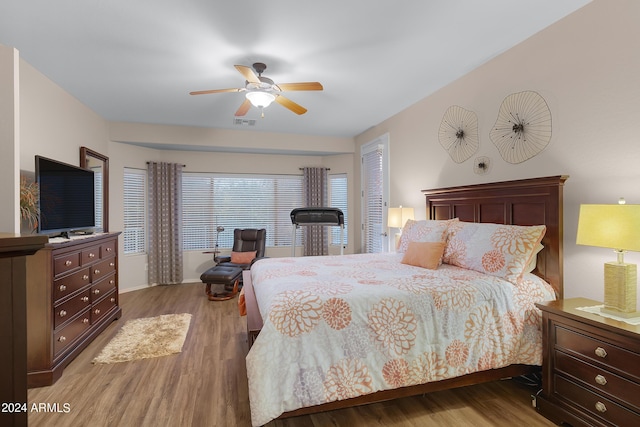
(135, 189)
(338, 199)
(238, 201)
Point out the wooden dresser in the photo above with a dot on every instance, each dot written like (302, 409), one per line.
(14, 251)
(72, 296)
(591, 367)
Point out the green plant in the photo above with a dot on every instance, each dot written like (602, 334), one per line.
(29, 202)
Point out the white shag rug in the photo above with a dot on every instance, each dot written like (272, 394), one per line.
(147, 337)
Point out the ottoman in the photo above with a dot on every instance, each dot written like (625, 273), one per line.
(221, 275)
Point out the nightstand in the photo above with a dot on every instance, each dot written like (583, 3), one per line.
(590, 367)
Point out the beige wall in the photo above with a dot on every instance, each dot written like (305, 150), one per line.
(9, 135)
(186, 145)
(208, 139)
(586, 67)
(133, 267)
(55, 124)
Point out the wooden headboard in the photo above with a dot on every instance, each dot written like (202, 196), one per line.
(534, 201)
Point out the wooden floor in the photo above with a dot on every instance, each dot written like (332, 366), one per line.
(206, 384)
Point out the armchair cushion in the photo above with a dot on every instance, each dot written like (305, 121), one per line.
(243, 257)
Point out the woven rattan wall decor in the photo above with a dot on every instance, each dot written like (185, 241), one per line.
(523, 127)
(458, 133)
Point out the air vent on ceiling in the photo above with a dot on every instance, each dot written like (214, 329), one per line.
(244, 122)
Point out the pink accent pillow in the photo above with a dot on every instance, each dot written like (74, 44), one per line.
(494, 249)
(422, 231)
(424, 254)
(243, 257)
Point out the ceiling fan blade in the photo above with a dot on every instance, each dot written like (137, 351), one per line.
(204, 92)
(243, 108)
(300, 86)
(248, 73)
(287, 103)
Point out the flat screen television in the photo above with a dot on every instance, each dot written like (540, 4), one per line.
(66, 197)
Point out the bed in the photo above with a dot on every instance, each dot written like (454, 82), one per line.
(338, 331)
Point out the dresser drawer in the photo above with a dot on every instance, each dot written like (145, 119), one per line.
(89, 255)
(596, 405)
(598, 351)
(65, 263)
(68, 309)
(584, 373)
(103, 287)
(108, 249)
(70, 332)
(103, 307)
(102, 269)
(67, 285)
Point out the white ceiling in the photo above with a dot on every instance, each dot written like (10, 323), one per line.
(137, 60)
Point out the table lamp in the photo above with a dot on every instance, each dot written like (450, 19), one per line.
(616, 227)
(397, 217)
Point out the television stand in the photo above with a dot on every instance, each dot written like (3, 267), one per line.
(72, 296)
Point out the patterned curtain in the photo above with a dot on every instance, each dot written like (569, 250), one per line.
(316, 237)
(165, 221)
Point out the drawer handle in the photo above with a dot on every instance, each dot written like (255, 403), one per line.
(96, 291)
(113, 299)
(111, 282)
(62, 288)
(96, 271)
(85, 299)
(85, 320)
(600, 407)
(601, 352)
(92, 255)
(601, 380)
(85, 277)
(63, 313)
(112, 264)
(68, 263)
(96, 311)
(62, 339)
(108, 249)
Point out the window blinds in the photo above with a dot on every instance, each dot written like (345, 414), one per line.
(338, 199)
(134, 233)
(238, 201)
(372, 199)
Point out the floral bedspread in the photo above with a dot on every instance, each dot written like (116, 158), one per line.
(337, 327)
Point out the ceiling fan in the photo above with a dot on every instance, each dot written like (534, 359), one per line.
(262, 91)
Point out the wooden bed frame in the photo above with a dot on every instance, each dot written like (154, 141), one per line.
(522, 202)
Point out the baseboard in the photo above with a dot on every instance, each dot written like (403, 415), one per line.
(135, 288)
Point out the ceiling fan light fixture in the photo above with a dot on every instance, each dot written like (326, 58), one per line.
(260, 98)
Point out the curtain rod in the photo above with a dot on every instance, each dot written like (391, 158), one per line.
(184, 166)
(325, 168)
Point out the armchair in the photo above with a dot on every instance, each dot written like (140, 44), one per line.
(248, 247)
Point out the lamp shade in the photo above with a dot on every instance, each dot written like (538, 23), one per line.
(610, 226)
(397, 217)
(260, 98)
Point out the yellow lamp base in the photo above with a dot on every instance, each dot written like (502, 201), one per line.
(620, 289)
